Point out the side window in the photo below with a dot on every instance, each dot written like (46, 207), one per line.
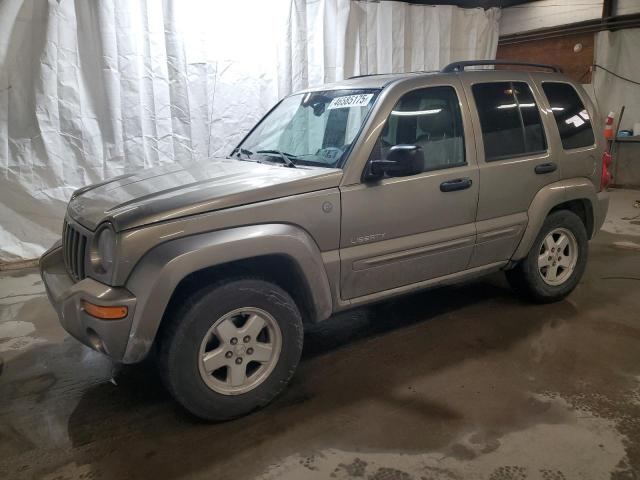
(534, 138)
(509, 118)
(571, 117)
(430, 118)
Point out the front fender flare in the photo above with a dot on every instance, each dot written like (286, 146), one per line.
(160, 270)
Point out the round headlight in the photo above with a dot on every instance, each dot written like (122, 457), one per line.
(104, 250)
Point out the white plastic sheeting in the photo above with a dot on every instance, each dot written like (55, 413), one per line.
(90, 90)
(618, 51)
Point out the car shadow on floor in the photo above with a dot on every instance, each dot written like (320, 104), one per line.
(377, 319)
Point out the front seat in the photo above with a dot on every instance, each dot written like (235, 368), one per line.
(436, 140)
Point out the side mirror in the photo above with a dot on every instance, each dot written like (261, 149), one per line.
(401, 161)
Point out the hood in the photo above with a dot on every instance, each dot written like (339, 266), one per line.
(169, 192)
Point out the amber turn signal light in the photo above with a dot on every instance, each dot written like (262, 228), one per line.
(104, 313)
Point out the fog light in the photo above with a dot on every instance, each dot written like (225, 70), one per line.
(105, 313)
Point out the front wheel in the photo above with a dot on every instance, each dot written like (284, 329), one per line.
(231, 348)
(556, 261)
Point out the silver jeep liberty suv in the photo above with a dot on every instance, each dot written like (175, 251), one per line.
(341, 196)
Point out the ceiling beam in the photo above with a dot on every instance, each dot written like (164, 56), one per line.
(596, 25)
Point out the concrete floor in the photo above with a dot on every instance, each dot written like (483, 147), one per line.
(461, 382)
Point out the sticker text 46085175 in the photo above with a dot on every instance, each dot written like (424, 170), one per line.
(361, 100)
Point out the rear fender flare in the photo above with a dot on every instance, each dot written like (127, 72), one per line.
(545, 200)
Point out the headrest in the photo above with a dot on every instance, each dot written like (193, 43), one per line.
(436, 124)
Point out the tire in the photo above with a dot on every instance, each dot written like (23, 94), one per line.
(537, 283)
(214, 395)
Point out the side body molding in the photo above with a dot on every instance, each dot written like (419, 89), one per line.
(553, 195)
(158, 273)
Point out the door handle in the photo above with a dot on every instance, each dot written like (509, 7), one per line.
(546, 168)
(454, 185)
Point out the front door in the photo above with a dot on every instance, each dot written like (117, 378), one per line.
(404, 230)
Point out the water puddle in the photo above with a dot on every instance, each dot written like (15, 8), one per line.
(586, 447)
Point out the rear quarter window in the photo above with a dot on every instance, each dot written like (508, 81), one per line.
(572, 118)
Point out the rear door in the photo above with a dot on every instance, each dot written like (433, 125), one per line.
(404, 230)
(513, 158)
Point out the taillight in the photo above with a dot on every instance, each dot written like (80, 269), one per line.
(605, 179)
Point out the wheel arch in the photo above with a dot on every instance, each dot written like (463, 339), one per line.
(276, 268)
(283, 254)
(583, 208)
(576, 195)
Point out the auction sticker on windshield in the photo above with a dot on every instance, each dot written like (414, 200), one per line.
(361, 100)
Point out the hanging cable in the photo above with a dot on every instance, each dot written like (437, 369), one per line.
(616, 75)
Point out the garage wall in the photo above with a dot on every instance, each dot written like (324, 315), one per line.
(90, 90)
(557, 51)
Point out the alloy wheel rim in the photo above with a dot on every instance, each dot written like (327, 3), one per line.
(239, 351)
(558, 256)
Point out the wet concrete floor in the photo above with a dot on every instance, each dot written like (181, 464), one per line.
(460, 382)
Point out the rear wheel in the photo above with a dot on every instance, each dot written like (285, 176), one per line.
(556, 261)
(231, 348)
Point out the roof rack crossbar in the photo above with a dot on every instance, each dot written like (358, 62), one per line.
(460, 66)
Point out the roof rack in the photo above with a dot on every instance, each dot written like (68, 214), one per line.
(367, 75)
(391, 73)
(460, 66)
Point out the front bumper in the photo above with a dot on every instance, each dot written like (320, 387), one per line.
(107, 336)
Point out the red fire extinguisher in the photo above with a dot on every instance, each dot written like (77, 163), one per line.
(608, 126)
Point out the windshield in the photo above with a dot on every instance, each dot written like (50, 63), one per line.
(315, 128)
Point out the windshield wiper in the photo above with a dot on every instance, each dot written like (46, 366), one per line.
(284, 156)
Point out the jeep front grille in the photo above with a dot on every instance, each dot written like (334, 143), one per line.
(74, 245)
